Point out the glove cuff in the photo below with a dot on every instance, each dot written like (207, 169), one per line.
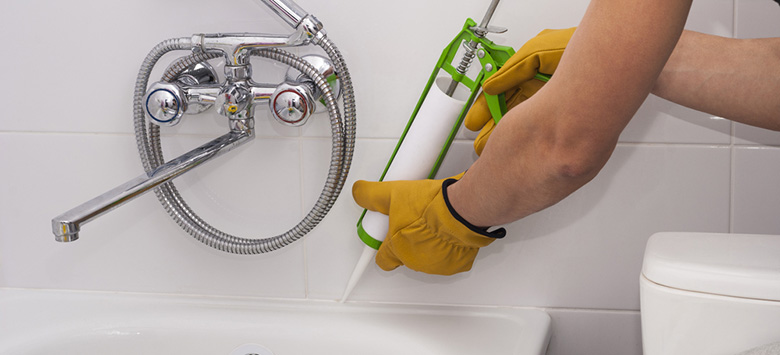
(496, 234)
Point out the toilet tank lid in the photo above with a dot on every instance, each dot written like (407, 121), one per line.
(738, 265)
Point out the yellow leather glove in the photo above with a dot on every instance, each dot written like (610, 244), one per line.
(425, 234)
(516, 80)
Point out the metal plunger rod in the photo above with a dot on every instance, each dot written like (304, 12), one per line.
(489, 14)
(471, 47)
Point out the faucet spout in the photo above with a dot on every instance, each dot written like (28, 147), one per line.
(66, 226)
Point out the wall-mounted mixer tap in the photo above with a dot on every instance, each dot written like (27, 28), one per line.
(291, 102)
(190, 86)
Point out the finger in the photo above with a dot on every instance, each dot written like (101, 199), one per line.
(551, 56)
(532, 86)
(482, 138)
(386, 259)
(528, 89)
(515, 100)
(545, 31)
(373, 195)
(478, 114)
(516, 71)
(540, 54)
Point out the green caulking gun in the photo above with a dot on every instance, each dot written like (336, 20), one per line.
(435, 121)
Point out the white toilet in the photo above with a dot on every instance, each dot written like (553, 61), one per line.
(709, 293)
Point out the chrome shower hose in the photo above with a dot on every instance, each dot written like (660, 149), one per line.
(343, 143)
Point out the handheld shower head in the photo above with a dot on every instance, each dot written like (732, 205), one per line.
(288, 10)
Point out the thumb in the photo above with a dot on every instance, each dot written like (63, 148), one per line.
(373, 195)
(514, 72)
(386, 258)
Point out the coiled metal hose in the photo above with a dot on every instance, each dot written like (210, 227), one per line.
(343, 141)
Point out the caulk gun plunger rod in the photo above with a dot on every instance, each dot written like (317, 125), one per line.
(472, 46)
(489, 13)
(451, 88)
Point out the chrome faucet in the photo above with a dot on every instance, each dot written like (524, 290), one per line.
(190, 86)
(67, 225)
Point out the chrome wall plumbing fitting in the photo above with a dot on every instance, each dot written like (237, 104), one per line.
(190, 86)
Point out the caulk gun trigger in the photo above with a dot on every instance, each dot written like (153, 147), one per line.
(488, 29)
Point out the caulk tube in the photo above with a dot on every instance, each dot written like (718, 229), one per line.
(418, 151)
(415, 158)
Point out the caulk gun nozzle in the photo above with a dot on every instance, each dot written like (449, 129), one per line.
(360, 267)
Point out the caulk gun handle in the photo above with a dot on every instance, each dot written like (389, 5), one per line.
(288, 10)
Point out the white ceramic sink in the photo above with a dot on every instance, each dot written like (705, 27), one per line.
(64, 322)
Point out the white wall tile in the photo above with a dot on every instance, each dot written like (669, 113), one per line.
(756, 191)
(715, 17)
(253, 191)
(662, 121)
(757, 18)
(749, 135)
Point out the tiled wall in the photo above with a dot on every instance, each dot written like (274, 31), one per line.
(66, 136)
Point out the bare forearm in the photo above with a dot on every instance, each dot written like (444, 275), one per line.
(560, 138)
(738, 79)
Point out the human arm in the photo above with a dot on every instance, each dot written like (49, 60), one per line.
(560, 138)
(737, 79)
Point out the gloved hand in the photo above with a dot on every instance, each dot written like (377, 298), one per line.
(516, 80)
(425, 234)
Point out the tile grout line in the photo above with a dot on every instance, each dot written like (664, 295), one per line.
(732, 128)
(734, 10)
(302, 212)
(589, 310)
(732, 180)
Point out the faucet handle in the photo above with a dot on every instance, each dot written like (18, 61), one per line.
(164, 104)
(325, 67)
(191, 92)
(296, 99)
(292, 104)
